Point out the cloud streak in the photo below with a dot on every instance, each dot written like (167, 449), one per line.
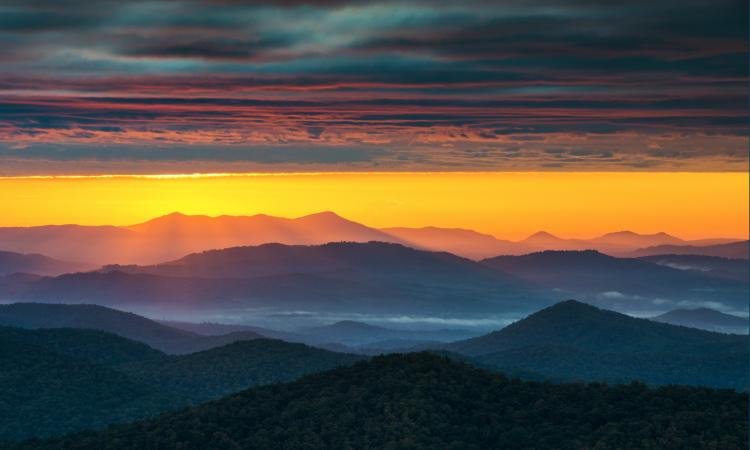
(414, 85)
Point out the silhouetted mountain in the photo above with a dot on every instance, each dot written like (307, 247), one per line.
(371, 260)
(611, 243)
(128, 325)
(466, 243)
(11, 262)
(176, 235)
(620, 243)
(95, 245)
(629, 239)
(354, 333)
(714, 266)
(545, 240)
(573, 340)
(425, 401)
(396, 346)
(352, 277)
(621, 282)
(706, 319)
(55, 381)
(735, 250)
(220, 329)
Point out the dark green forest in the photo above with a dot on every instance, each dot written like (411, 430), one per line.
(56, 381)
(427, 401)
(575, 341)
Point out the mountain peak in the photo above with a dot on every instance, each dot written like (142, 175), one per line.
(571, 305)
(628, 233)
(171, 216)
(322, 215)
(625, 233)
(542, 235)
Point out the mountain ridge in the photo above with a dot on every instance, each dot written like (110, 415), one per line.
(574, 339)
(174, 235)
(425, 401)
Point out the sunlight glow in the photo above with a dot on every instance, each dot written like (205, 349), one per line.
(505, 204)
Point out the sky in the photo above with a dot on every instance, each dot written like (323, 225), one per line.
(505, 204)
(210, 86)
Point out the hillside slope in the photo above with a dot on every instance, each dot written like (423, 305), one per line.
(338, 277)
(56, 381)
(705, 319)
(11, 262)
(128, 325)
(423, 401)
(572, 340)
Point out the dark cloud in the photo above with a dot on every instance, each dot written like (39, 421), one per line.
(573, 82)
(258, 154)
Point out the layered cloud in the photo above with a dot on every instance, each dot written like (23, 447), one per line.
(418, 85)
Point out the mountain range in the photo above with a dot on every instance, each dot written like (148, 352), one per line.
(714, 266)
(11, 263)
(182, 337)
(706, 319)
(623, 283)
(111, 379)
(175, 235)
(358, 334)
(734, 250)
(386, 278)
(344, 277)
(128, 325)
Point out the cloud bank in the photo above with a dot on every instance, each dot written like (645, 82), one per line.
(412, 85)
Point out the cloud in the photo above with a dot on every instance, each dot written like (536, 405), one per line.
(643, 85)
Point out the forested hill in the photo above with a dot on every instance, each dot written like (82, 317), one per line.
(57, 381)
(575, 341)
(425, 401)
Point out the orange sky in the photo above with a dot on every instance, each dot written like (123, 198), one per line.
(508, 205)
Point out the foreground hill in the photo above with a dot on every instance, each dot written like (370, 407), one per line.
(56, 381)
(621, 282)
(706, 319)
(128, 325)
(424, 401)
(336, 277)
(572, 340)
(11, 262)
(63, 380)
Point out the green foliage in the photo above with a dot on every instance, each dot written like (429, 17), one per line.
(56, 381)
(234, 367)
(575, 341)
(59, 380)
(425, 401)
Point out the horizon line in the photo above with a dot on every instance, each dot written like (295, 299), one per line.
(250, 215)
